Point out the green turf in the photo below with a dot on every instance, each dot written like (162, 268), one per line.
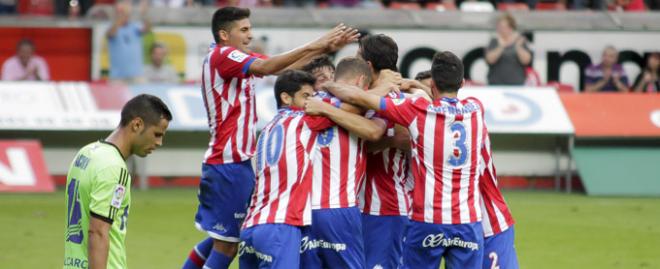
(552, 230)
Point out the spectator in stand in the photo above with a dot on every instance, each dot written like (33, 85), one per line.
(171, 3)
(25, 65)
(7, 6)
(508, 54)
(159, 71)
(424, 77)
(649, 79)
(125, 43)
(608, 76)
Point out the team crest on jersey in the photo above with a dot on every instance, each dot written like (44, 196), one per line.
(237, 56)
(398, 101)
(118, 196)
(325, 138)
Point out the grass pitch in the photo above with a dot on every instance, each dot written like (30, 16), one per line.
(552, 230)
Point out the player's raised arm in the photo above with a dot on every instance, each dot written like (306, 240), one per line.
(360, 98)
(369, 129)
(99, 243)
(332, 41)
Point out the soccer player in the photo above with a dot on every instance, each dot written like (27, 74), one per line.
(424, 77)
(99, 186)
(228, 90)
(322, 69)
(280, 203)
(335, 238)
(497, 222)
(447, 135)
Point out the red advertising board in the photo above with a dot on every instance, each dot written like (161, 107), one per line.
(22, 167)
(614, 114)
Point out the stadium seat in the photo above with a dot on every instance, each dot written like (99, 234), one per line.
(405, 5)
(36, 7)
(441, 6)
(550, 6)
(512, 7)
(532, 78)
(477, 7)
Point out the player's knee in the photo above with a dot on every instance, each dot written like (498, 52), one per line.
(229, 249)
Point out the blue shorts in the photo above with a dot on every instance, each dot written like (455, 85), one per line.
(461, 245)
(334, 240)
(499, 251)
(383, 240)
(224, 194)
(270, 246)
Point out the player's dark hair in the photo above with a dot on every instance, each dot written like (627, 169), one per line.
(423, 75)
(319, 62)
(290, 82)
(224, 18)
(447, 71)
(147, 107)
(352, 67)
(380, 50)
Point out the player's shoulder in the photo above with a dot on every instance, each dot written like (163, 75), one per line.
(103, 155)
(472, 101)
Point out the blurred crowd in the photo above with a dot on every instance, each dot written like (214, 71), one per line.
(136, 57)
(80, 7)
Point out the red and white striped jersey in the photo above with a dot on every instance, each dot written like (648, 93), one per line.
(446, 140)
(284, 175)
(340, 167)
(228, 92)
(386, 189)
(496, 215)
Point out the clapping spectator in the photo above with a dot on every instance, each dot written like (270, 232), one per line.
(608, 76)
(159, 71)
(125, 43)
(25, 65)
(508, 54)
(649, 79)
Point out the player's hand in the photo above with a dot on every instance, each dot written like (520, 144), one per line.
(607, 74)
(348, 36)
(323, 42)
(315, 107)
(409, 84)
(384, 89)
(648, 77)
(387, 76)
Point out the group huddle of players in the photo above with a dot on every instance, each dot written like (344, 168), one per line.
(358, 169)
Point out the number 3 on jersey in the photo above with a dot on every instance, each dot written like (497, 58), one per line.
(459, 152)
(274, 143)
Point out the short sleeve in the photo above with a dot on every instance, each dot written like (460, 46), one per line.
(233, 63)
(401, 111)
(590, 75)
(317, 123)
(108, 192)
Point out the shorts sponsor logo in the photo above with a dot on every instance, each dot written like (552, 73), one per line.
(435, 240)
(219, 227)
(239, 215)
(309, 244)
(245, 249)
(75, 262)
(118, 196)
